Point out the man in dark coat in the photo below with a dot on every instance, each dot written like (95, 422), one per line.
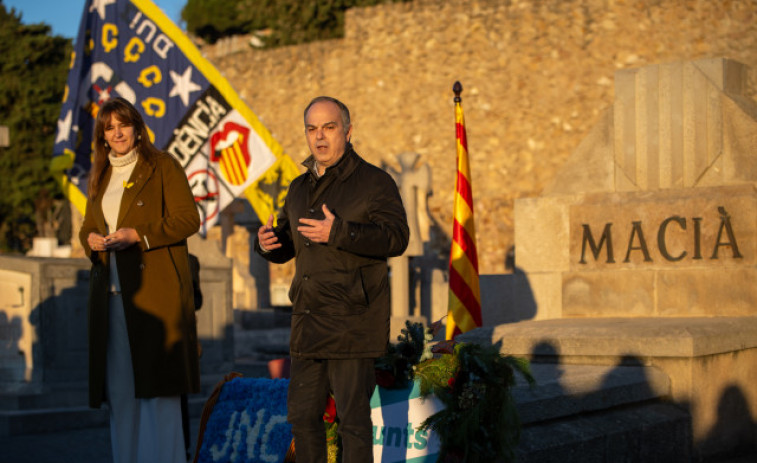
(341, 220)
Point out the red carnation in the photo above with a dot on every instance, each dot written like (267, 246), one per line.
(330, 413)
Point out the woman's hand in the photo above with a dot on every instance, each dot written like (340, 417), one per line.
(121, 239)
(96, 242)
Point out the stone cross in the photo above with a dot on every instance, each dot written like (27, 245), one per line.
(414, 183)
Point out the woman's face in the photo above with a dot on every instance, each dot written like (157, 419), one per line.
(120, 136)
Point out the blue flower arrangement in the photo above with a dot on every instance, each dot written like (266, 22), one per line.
(248, 423)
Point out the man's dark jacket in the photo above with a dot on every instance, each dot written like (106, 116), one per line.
(340, 291)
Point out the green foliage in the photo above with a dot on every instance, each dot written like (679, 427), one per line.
(285, 22)
(479, 422)
(213, 19)
(32, 81)
(395, 368)
(333, 442)
(434, 375)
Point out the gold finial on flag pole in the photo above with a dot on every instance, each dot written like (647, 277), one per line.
(458, 89)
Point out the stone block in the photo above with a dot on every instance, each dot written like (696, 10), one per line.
(620, 293)
(706, 292)
(650, 433)
(584, 172)
(669, 122)
(547, 290)
(506, 298)
(47, 322)
(16, 330)
(215, 319)
(563, 391)
(710, 362)
(541, 234)
(685, 228)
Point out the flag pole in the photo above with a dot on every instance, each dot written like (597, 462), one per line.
(464, 311)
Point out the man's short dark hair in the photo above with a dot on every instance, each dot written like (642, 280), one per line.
(342, 108)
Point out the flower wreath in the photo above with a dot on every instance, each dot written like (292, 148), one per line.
(480, 421)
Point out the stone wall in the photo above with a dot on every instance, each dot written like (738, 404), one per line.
(536, 75)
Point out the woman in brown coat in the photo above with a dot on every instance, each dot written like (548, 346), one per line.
(142, 333)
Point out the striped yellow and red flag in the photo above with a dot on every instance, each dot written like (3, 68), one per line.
(464, 312)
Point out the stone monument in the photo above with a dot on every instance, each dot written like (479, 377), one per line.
(414, 182)
(645, 246)
(43, 337)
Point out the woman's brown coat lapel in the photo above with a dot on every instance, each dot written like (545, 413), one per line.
(137, 181)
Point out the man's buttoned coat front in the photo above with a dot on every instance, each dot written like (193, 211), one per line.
(340, 291)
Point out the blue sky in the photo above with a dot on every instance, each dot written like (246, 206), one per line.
(64, 15)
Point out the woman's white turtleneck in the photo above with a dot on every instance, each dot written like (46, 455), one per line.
(121, 169)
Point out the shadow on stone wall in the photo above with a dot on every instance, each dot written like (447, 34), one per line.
(507, 298)
(580, 413)
(735, 428)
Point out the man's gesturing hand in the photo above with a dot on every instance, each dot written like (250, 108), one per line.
(317, 231)
(266, 237)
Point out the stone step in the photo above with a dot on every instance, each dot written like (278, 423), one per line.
(251, 343)
(642, 433)
(253, 367)
(562, 391)
(596, 413)
(43, 420)
(262, 319)
(565, 390)
(19, 422)
(39, 413)
(72, 395)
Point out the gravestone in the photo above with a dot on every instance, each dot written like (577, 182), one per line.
(656, 205)
(43, 322)
(644, 248)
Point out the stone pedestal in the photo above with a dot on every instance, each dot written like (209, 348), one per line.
(644, 249)
(709, 362)
(43, 321)
(44, 303)
(215, 320)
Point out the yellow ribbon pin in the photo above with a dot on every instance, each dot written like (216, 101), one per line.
(128, 185)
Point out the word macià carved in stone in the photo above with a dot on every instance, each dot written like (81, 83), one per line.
(637, 240)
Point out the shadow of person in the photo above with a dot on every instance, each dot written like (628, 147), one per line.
(547, 370)
(630, 377)
(547, 399)
(733, 434)
(545, 356)
(507, 298)
(13, 350)
(642, 392)
(540, 403)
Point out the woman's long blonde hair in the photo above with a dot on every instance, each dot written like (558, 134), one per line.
(126, 113)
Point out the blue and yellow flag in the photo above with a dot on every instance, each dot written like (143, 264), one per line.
(129, 48)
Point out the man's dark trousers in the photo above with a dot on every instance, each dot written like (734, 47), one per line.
(352, 382)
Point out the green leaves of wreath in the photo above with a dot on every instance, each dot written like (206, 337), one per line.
(480, 422)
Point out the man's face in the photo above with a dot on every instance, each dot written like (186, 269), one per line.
(325, 133)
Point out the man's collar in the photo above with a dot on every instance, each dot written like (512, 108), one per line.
(343, 167)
